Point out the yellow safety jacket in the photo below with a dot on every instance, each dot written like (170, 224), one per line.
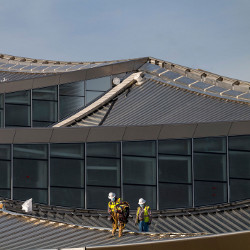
(112, 204)
(146, 215)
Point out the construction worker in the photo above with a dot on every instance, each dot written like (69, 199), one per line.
(143, 216)
(112, 210)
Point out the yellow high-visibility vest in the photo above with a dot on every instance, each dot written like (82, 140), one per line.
(146, 216)
(112, 204)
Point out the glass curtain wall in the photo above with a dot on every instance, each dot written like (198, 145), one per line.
(67, 175)
(139, 172)
(103, 173)
(210, 171)
(175, 173)
(1, 110)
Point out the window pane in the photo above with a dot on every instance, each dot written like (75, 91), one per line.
(175, 195)
(175, 169)
(103, 172)
(5, 193)
(67, 197)
(210, 167)
(44, 111)
(210, 193)
(91, 95)
(212, 144)
(48, 93)
(140, 148)
(239, 142)
(67, 150)
(20, 97)
(103, 149)
(139, 170)
(5, 174)
(132, 194)
(1, 101)
(67, 172)
(17, 115)
(1, 118)
(97, 197)
(69, 104)
(5, 152)
(30, 173)
(101, 84)
(35, 151)
(179, 147)
(41, 124)
(37, 195)
(239, 164)
(72, 89)
(239, 189)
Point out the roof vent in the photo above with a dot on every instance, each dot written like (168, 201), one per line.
(23, 60)
(57, 62)
(45, 62)
(12, 58)
(1, 56)
(34, 61)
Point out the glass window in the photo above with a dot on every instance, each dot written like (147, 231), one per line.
(67, 197)
(175, 195)
(5, 167)
(239, 143)
(41, 124)
(1, 118)
(20, 97)
(176, 147)
(239, 164)
(210, 167)
(139, 148)
(91, 95)
(139, 170)
(208, 193)
(44, 111)
(239, 189)
(175, 169)
(103, 172)
(34, 151)
(97, 197)
(37, 195)
(5, 193)
(211, 144)
(5, 151)
(72, 89)
(67, 173)
(104, 149)
(67, 150)
(30, 173)
(1, 101)
(48, 93)
(17, 115)
(133, 193)
(101, 84)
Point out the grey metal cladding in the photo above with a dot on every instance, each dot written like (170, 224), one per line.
(154, 103)
(240, 128)
(61, 135)
(212, 129)
(20, 85)
(105, 134)
(72, 76)
(122, 67)
(101, 72)
(48, 80)
(7, 135)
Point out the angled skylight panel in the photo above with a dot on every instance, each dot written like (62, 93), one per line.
(216, 90)
(40, 68)
(75, 67)
(51, 69)
(171, 75)
(63, 68)
(28, 67)
(16, 67)
(245, 96)
(150, 67)
(6, 66)
(232, 93)
(185, 80)
(201, 85)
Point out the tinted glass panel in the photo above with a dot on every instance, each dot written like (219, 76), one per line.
(17, 115)
(73, 89)
(35, 151)
(1, 118)
(1, 101)
(139, 170)
(179, 147)
(5, 174)
(20, 97)
(140, 148)
(5, 193)
(5, 152)
(91, 95)
(210, 193)
(37, 195)
(103, 172)
(175, 195)
(97, 197)
(175, 169)
(239, 143)
(132, 194)
(44, 111)
(30, 173)
(210, 167)
(48, 93)
(239, 189)
(239, 164)
(101, 84)
(67, 172)
(41, 124)
(67, 150)
(103, 149)
(212, 144)
(67, 197)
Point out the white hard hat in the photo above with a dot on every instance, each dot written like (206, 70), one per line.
(141, 201)
(111, 195)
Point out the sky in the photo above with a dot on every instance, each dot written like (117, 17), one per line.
(212, 35)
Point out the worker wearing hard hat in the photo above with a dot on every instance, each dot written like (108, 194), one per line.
(113, 202)
(143, 216)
